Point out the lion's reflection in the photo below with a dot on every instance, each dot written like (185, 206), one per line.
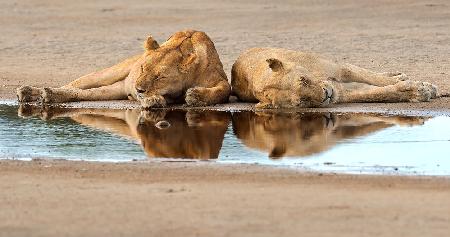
(304, 134)
(161, 133)
(181, 134)
(199, 134)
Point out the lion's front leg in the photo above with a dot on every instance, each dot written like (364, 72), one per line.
(275, 98)
(44, 112)
(203, 96)
(403, 91)
(115, 91)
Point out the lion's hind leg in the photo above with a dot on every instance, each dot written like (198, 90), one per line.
(404, 91)
(352, 73)
(400, 76)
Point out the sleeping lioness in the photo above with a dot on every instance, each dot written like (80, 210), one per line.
(186, 68)
(277, 78)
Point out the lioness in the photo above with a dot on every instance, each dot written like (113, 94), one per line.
(305, 134)
(279, 78)
(161, 133)
(186, 68)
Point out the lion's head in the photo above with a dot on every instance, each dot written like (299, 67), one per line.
(309, 91)
(165, 70)
(182, 134)
(285, 134)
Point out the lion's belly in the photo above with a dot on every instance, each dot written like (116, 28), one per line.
(242, 82)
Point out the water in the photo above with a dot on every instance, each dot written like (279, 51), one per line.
(325, 142)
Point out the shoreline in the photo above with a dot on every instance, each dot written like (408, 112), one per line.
(432, 108)
(263, 172)
(166, 162)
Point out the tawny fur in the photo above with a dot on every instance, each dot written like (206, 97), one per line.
(280, 134)
(158, 131)
(186, 68)
(281, 78)
(297, 134)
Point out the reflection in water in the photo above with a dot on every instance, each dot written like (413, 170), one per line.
(305, 134)
(161, 133)
(368, 143)
(199, 134)
(181, 134)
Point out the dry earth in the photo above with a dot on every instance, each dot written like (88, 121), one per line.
(63, 198)
(51, 42)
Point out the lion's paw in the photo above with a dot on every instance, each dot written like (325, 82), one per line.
(400, 76)
(417, 91)
(28, 110)
(153, 116)
(46, 95)
(57, 95)
(194, 118)
(432, 89)
(409, 121)
(153, 102)
(264, 105)
(195, 97)
(28, 93)
(49, 95)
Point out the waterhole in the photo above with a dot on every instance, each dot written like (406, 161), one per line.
(324, 142)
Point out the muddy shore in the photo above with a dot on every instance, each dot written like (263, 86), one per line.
(49, 43)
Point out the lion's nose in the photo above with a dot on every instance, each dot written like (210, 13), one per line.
(328, 93)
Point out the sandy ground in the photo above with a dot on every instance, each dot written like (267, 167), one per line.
(63, 198)
(49, 43)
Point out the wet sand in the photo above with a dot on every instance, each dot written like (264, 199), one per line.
(49, 43)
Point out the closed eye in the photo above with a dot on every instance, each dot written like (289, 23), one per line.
(159, 77)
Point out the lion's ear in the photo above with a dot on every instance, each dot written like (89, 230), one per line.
(150, 44)
(188, 62)
(275, 64)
